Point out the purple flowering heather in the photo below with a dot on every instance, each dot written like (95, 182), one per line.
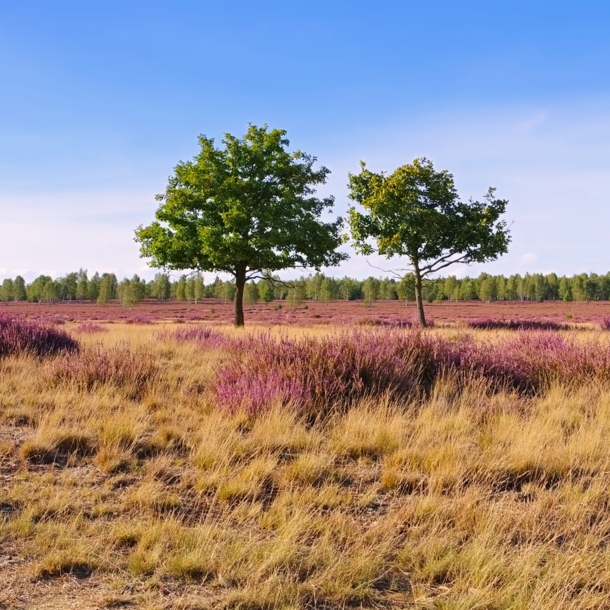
(139, 319)
(490, 324)
(314, 375)
(21, 336)
(90, 327)
(205, 337)
(120, 365)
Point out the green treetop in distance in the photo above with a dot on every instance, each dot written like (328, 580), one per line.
(416, 213)
(244, 209)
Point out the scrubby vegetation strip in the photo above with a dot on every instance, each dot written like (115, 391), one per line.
(491, 324)
(314, 375)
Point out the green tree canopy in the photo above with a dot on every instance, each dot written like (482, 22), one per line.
(7, 290)
(131, 292)
(19, 292)
(251, 294)
(416, 213)
(160, 287)
(266, 290)
(82, 286)
(107, 288)
(243, 209)
(327, 290)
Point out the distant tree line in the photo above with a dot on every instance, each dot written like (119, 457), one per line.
(103, 288)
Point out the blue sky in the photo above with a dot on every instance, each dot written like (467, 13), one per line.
(99, 101)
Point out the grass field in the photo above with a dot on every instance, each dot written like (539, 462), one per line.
(127, 482)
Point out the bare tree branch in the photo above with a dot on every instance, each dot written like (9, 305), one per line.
(392, 271)
(436, 266)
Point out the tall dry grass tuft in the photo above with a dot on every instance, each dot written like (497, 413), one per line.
(50, 446)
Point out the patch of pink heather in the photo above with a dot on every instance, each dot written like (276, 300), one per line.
(21, 336)
(491, 324)
(139, 319)
(90, 327)
(120, 366)
(314, 375)
(205, 337)
(243, 393)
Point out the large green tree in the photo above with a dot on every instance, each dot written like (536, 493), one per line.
(245, 209)
(416, 213)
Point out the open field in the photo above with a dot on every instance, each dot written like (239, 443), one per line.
(130, 478)
(314, 312)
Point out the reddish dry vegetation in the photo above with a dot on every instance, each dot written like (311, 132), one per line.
(310, 312)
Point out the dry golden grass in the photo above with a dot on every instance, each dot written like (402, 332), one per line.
(157, 500)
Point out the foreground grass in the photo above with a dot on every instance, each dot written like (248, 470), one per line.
(146, 496)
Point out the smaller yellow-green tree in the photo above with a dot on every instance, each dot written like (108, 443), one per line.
(416, 213)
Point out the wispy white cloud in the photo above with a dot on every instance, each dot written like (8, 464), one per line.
(530, 124)
(529, 258)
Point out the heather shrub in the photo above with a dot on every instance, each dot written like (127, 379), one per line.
(202, 335)
(139, 319)
(21, 336)
(530, 362)
(386, 322)
(372, 322)
(314, 375)
(490, 324)
(605, 323)
(121, 366)
(90, 327)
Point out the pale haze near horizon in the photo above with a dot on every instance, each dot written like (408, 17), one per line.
(92, 125)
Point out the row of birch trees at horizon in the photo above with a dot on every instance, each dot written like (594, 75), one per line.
(104, 288)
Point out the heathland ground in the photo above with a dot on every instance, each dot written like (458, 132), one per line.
(132, 478)
(310, 313)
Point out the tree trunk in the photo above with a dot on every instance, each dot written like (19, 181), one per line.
(240, 283)
(418, 298)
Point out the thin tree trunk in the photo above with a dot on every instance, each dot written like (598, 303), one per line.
(240, 283)
(418, 298)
